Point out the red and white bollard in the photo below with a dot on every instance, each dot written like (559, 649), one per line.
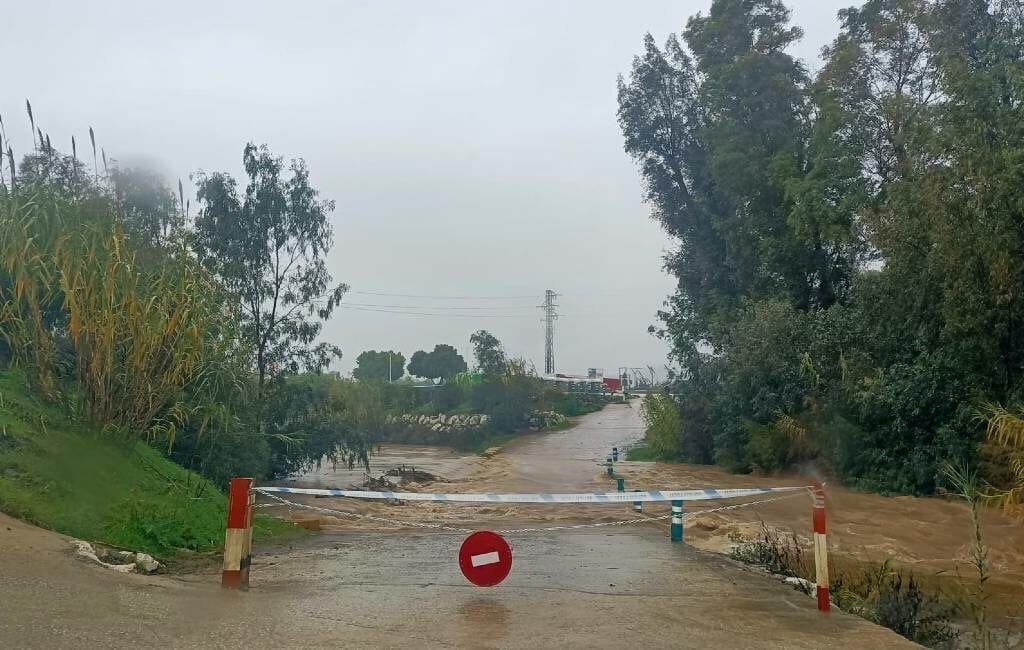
(820, 547)
(238, 537)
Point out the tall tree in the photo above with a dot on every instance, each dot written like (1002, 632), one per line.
(719, 138)
(384, 365)
(490, 357)
(441, 363)
(149, 207)
(268, 247)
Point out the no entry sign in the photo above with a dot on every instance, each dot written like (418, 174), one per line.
(485, 558)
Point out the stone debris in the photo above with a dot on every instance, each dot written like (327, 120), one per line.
(116, 560)
(441, 423)
(409, 474)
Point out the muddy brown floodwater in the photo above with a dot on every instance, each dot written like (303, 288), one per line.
(364, 584)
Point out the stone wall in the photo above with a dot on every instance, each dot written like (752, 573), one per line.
(441, 423)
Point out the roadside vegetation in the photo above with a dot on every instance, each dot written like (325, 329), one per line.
(848, 239)
(505, 390)
(150, 351)
(152, 354)
(939, 610)
(63, 473)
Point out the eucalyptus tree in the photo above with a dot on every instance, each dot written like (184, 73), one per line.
(268, 246)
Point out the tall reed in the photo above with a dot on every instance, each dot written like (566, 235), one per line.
(142, 335)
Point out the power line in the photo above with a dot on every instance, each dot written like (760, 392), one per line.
(437, 297)
(459, 307)
(441, 314)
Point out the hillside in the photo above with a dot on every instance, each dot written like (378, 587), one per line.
(65, 475)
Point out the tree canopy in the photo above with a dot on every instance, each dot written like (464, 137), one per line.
(490, 357)
(384, 365)
(843, 241)
(268, 248)
(442, 363)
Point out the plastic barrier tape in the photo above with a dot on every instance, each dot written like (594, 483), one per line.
(596, 497)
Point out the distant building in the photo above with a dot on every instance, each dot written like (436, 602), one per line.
(593, 383)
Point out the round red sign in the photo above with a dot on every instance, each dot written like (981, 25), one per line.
(485, 558)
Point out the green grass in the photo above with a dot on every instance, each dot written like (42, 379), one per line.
(68, 476)
(640, 452)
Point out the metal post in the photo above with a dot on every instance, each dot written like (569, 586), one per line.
(638, 506)
(620, 484)
(609, 465)
(677, 521)
(615, 454)
(820, 548)
(238, 535)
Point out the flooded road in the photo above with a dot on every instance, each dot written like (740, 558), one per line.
(365, 584)
(360, 584)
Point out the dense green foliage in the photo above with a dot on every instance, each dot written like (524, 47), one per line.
(173, 333)
(506, 390)
(662, 419)
(490, 357)
(442, 363)
(848, 244)
(267, 249)
(386, 365)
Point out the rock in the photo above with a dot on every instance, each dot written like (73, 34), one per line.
(85, 550)
(805, 586)
(145, 563)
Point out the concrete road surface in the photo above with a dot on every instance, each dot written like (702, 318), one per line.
(597, 588)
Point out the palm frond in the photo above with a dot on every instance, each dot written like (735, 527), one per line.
(1003, 426)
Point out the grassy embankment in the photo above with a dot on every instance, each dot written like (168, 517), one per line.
(71, 477)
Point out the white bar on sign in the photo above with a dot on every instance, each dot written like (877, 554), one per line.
(484, 558)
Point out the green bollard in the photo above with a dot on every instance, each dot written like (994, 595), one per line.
(620, 484)
(638, 506)
(609, 464)
(677, 521)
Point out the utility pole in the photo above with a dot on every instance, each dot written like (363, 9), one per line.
(390, 376)
(549, 330)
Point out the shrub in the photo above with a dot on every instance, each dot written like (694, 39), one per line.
(778, 554)
(895, 599)
(661, 415)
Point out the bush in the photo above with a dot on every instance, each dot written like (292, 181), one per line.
(895, 600)
(778, 554)
(310, 418)
(661, 415)
(508, 402)
(878, 593)
(447, 397)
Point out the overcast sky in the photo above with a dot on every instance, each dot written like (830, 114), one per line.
(472, 146)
